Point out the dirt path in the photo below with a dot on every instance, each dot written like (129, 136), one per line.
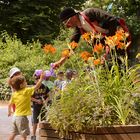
(5, 123)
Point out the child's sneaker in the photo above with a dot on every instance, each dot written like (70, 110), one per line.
(33, 137)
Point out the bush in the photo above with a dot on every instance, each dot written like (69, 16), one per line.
(27, 57)
(4, 92)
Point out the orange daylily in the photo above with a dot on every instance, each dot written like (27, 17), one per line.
(98, 48)
(91, 59)
(73, 45)
(111, 41)
(120, 32)
(66, 53)
(49, 48)
(86, 36)
(85, 55)
(52, 50)
(97, 62)
(121, 35)
(121, 45)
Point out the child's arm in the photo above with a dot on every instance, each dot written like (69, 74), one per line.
(59, 62)
(38, 84)
(36, 100)
(9, 109)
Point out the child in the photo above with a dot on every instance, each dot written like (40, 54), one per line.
(14, 72)
(22, 100)
(38, 98)
(60, 83)
(69, 75)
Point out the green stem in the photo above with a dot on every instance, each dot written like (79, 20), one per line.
(126, 60)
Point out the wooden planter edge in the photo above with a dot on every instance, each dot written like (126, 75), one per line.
(117, 132)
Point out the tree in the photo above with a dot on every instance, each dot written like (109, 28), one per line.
(36, 19)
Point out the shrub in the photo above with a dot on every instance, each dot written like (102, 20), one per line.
(27, 57)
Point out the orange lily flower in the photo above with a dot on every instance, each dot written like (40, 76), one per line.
(66, 53)
(73, 45)
(85, 55)
(111, 41)
(121, 45)
(86, 36)
(120, 31)
(98, 48)
(97, 62)
(49, 48)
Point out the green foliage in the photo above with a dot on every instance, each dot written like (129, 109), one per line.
(4, 92)
(33, 19)
(101, 95)
(95, 98)
(98, 3)
(79, 108)
(129, 10)
(122, 107)
(27, 57)
(39, 19)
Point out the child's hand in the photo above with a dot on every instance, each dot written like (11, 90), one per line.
(39, 102)
(9, 113)
(42, 76)
(56, 65)
(59, 62)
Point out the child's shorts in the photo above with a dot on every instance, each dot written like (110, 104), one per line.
(37, 109)
(20, 126)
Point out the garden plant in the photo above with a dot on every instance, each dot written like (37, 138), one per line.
(105, 91)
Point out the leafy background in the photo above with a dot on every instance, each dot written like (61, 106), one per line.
(25, 26)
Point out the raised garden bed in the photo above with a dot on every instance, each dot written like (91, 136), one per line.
(126, 132)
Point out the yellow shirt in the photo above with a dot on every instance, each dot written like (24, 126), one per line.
(22, 101)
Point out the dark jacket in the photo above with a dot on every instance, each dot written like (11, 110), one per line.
(104, 19)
